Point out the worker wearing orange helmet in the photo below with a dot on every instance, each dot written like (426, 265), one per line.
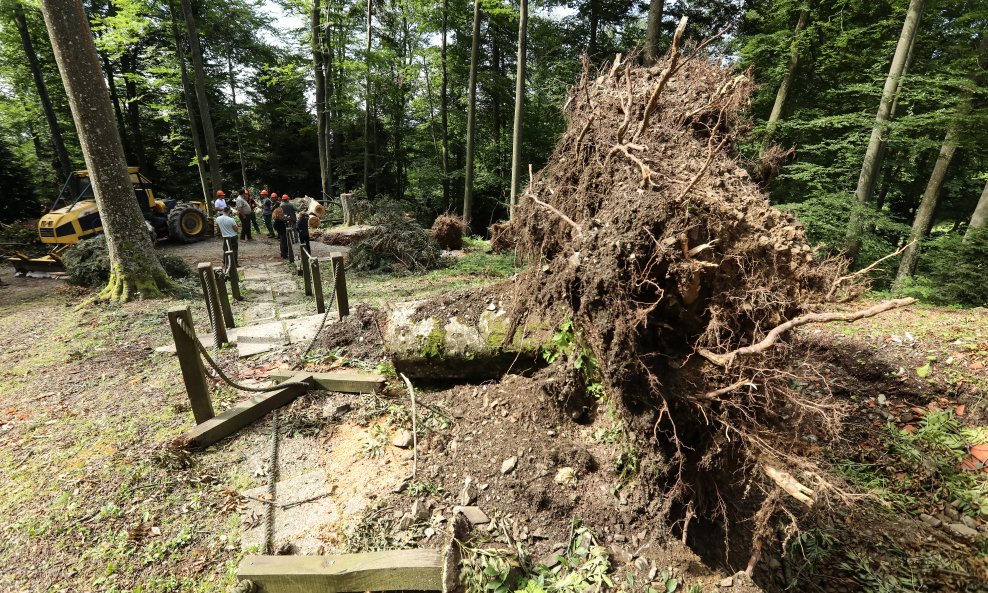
(267, 206)
(291, 215)
(220, 204)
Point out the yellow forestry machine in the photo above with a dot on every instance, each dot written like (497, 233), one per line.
(73, 217)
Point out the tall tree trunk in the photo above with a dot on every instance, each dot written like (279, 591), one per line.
(115, 99)
(927, 206)
(328, 74)
(236, 113)
(39, 82)
(495, 94)
(128, 65)
(471, 115)
(783, 93)
(979, 219)
(189, 106)
(318, 66)
(215, 176)
(516, 136)
(871, 163)
(134, 267)
(653, 33)
(444, 104)
(594, 18)
(367, 102)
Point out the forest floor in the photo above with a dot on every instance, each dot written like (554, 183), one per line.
(91, 498)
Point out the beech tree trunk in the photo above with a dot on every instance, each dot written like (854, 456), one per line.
(58, 143)
(444, 104)
(328, 81)
(516, 136)
(215, 176)
(318, 65)
(471, 115)
(653, 33)
(115, 99)
(236, 113)
(783, 93)
(367, 103)
(872, 162)
(134, 267)
(190, 107)
(979, 219)
(927, 207)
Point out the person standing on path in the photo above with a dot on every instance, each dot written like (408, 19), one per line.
(220, 204)
(288, 210)
(267, 205)
(302, 226)
(243, 211)
(253, 207)
(228, 229)
(282, 227)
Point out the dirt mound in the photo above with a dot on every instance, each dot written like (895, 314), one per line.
(357, 337)
(502, 241)
(448, 231)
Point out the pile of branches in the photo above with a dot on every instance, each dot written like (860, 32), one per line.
(396, 242)
(681, 277)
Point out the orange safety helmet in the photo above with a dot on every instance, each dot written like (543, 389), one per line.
(220, 193)
(274, 196)
(264, 192)
(285, 197)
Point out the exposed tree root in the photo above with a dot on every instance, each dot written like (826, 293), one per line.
(124, 286)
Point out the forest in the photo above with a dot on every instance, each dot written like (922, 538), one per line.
(283, 83)
(541, 297)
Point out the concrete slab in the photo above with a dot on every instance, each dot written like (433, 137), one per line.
(297, 519)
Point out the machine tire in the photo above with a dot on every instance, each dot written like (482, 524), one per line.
(186, 224)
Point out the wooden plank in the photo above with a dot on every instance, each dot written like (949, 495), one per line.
(344, 381)
(394, 570)
(316, 280)
(245, 412)
(193, 373)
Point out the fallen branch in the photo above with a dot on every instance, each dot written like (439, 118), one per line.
(865, 270)
(773, 336)
(415, 443)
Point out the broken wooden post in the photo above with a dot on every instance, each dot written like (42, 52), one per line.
(193, 373)
(210, 292)
(391, 570)
(224, 298)
(306, 272)
(316, 277)
(339, 278)
(245, 412)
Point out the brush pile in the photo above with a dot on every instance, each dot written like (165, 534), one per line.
(646, 233)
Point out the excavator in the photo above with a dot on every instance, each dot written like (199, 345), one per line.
(73, 217)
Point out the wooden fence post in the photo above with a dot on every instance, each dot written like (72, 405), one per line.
(316, 277)
(188, 358)
(339, 279)
(234, 276)
(223, 297)
(210, 291)
(306, 271)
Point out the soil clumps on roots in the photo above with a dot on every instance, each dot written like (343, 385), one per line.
(648, 235)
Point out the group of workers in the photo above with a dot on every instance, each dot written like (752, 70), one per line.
(279, 214)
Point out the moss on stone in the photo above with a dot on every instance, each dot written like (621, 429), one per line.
(434, 344)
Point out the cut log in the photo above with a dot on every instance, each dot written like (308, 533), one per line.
(395, 570)
(440, 347)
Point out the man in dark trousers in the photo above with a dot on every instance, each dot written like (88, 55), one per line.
(288, 210)
(267, 206)
(244, 211)
(281, 227)
(253, 206)
(302, 226)
(228, 230)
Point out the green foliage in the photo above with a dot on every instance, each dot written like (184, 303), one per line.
(568, 342)
(88, 263)
(953, 271)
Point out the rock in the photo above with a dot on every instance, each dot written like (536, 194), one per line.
(509, 465)
(621, 556)
(338, 411)
(952, 513)
(564, 476)
(620, 537)
(930, 520)
(468, 495)
(404, 523)
(473, 514)
(962, 530)
(969, 522)
(429, 532)
(727, 582)
(641, 564)
(881, 399)
(550, 560)
(420, 511)
(403, 439)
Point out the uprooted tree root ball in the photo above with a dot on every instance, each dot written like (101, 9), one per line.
(448, 231)
(648, 235)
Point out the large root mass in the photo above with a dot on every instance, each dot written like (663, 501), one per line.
(649, 235)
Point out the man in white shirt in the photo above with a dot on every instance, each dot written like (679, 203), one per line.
(220, 204)
(228, 230)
